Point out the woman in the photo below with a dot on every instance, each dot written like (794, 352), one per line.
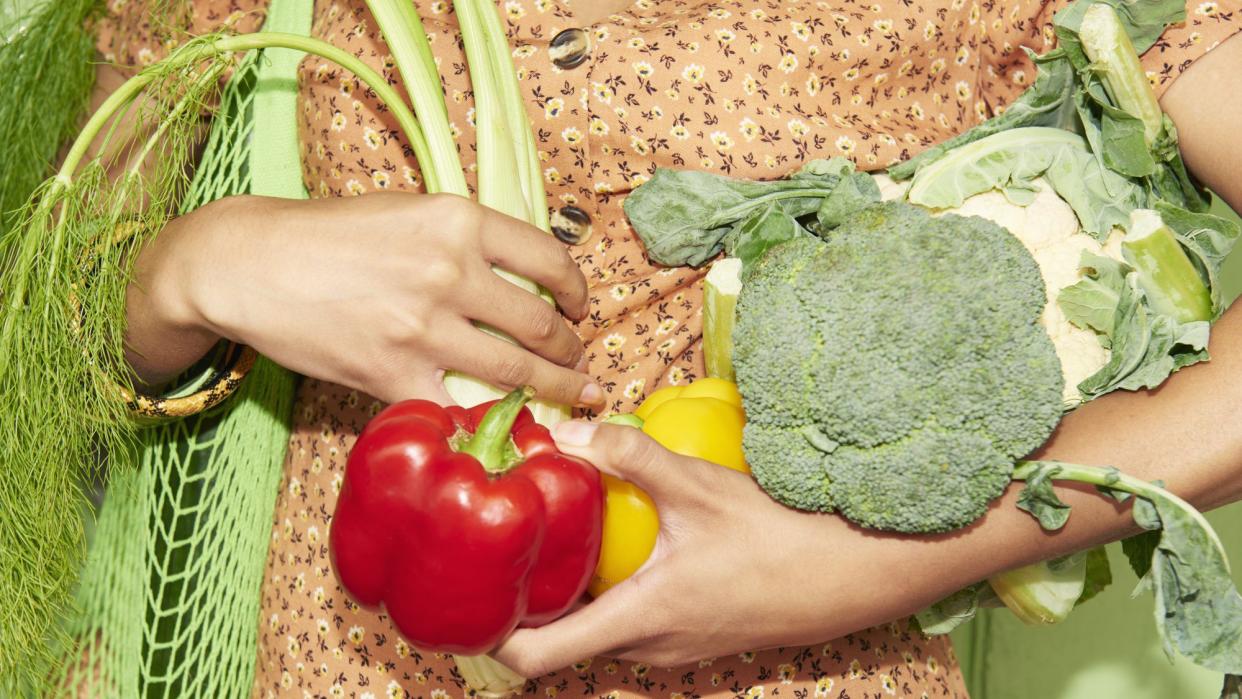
(615, 88)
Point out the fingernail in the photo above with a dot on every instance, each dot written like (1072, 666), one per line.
(582, 364)
(574, 433)
(591, 395)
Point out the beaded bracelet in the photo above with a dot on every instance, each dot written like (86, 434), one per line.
(237, 362)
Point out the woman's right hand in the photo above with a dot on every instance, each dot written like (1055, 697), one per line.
(374, 292)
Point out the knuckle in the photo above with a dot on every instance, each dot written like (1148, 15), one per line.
(511, 371)
(451, 213)
(440, 272)
(545, 325)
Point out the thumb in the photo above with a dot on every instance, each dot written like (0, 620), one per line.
(629, 454)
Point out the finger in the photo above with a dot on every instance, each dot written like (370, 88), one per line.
(509, 366)
(629, 454)
(523, 249)
(527, 318)
(606, 624)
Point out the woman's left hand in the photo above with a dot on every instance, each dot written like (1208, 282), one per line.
(732, 570)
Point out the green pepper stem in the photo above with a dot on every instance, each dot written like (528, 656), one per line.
(490, 443)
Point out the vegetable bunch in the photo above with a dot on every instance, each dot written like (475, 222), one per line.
(897, 360)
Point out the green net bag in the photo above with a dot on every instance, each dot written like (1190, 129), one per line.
(168, 600)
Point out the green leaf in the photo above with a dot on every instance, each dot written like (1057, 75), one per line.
(687, 218)
(1144, 348)
(1198, 609)
(1009, 161)
(684, 216)
(853, 191)
(1123, 146)
(1099, 574)
(950, 612)
(1091, 303)
(1208, 240)
(763, 229)
(1040, 500)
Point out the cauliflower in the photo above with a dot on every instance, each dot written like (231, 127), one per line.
(1048, 228)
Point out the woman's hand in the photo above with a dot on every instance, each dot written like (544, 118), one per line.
(732, 570)
(375, 292)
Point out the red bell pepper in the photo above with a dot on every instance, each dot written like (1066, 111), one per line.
(464, 524)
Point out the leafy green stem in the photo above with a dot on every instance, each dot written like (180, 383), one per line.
(1115, 480)
(205, 50)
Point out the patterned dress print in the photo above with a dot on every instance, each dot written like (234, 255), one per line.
(745, 88)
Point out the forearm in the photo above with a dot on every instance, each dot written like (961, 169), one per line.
(1179, 434)
(163, 333)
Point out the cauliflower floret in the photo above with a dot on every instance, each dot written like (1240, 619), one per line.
(889, 189)
(1048, 229)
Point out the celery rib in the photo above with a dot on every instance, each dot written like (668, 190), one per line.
(406, 38)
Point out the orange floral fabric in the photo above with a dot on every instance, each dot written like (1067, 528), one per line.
(745, 88)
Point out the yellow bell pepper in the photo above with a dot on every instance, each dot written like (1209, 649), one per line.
(703, 420)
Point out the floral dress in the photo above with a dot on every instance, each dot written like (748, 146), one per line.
(744, 88)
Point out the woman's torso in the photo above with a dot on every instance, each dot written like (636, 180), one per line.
(745, 88)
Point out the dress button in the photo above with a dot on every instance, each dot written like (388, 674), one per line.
(569, 48)
(571, 225)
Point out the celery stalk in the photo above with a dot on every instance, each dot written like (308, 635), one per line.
(499, 183)
(403, 32)
(1167, 276)
(720, 290)
(1113, 57)
(530, 173)
(502, 157)
(1043, 593)
(510, 181)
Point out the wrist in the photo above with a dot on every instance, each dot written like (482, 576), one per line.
(166, 328)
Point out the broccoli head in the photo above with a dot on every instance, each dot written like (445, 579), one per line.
(895, 371)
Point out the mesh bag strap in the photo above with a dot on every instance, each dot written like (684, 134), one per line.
(169, 598)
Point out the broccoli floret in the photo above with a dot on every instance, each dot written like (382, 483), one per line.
(895, 371)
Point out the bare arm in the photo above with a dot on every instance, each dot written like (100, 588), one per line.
(376, 292)
(1205, 103)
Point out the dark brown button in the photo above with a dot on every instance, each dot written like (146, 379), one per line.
(571, 225)
(569, 49)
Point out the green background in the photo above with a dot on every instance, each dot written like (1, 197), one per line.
(1108, 648)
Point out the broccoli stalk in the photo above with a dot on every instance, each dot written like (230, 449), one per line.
(720, 290)
(1167, 276)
